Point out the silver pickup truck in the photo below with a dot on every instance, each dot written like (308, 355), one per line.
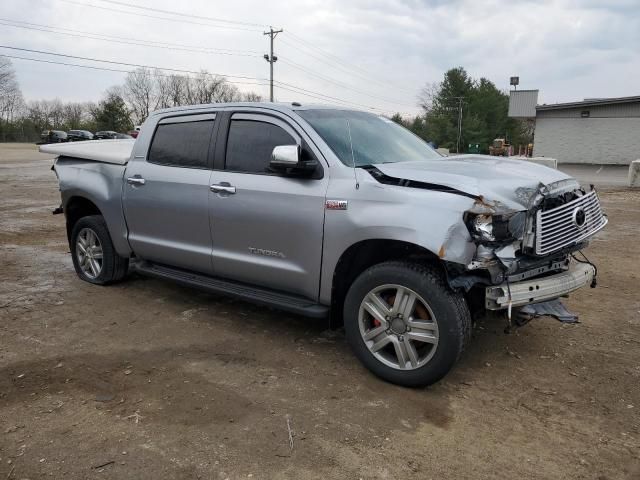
(329, 213)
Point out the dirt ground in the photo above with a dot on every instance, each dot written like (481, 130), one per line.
(149, 380)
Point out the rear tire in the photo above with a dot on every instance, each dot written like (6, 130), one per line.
(94, 257)
(420, 326)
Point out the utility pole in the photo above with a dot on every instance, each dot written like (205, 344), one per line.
(271, 58)
(459, 123)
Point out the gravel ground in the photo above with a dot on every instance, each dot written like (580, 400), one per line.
(148, 380)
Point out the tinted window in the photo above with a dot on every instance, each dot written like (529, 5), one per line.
(250, 144)
(183, 144)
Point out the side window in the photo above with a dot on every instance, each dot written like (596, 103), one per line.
(250, 144)
(183, 144)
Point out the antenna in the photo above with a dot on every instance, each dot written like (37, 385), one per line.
(353, 158)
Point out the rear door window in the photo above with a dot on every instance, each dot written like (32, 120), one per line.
(182, 142)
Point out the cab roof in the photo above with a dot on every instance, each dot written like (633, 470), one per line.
(278, 106)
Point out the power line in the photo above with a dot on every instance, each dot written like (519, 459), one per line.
(154, 73)
(178, 47)
(340, 102)
(311, 95)
(340, 68)
(137, 14)
(125, 63)
(331, 56)
(157, 73)
(284, 85)
(320, 50)
(338, 83)
(344, 66)
(349, 68)
(125, 40)
(328, 96)
(180, 14)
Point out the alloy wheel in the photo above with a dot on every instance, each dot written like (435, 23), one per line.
(89, 253)
(398, 327)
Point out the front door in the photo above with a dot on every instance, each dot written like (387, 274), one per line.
(166, 194)
(266, 228)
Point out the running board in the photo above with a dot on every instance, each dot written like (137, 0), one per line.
(258, 295)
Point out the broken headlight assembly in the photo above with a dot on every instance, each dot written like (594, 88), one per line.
(495, 227)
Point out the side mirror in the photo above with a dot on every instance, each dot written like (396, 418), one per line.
(289, 160)
(285, 156)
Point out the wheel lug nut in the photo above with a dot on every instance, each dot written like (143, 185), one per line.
(401, 338)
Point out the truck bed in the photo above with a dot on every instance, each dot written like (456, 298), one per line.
(107, 151)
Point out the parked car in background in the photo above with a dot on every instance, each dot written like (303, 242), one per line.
(134, 133)
(78, 135)
(53, 136)
(123, 136)
(105, 134)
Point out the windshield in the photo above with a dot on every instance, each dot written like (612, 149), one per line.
(375, 139)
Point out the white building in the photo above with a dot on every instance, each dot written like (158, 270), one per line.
(596, 131)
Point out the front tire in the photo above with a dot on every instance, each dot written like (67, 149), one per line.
(94, 257)
(405, 324)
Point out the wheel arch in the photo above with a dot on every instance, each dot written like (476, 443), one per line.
(77, 207)
(364, 254)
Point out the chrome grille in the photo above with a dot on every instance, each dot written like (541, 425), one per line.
(561, 226)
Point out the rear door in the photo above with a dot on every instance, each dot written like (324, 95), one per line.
(166, 194)
(266, 228)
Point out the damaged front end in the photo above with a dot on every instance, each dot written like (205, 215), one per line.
(524, 256)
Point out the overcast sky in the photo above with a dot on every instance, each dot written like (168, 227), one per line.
(381, 52)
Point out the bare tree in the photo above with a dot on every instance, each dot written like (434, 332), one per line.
(140, 92)
(251, 97)
(56, 113)
(73, 114)
(38, 114)
(428, 95)
(7, 75)
(144, 90)
(11, 101)
(163, 90)
(176, 89)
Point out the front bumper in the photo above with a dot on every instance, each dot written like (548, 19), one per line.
(539, 289)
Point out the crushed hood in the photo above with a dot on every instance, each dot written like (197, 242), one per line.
(510, 182)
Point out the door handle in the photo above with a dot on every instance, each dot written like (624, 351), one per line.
(136, 181)
(223, 187)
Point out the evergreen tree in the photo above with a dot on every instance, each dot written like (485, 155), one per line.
(112, 114)
(484, 112)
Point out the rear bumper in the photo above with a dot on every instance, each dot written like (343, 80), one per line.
(539, 289)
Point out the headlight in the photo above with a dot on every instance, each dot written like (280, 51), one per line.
(497, 227)
(483, 227)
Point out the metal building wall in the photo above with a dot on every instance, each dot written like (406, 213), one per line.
(588, 140)
(522, 103)
(609, 135)
(601, 111)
